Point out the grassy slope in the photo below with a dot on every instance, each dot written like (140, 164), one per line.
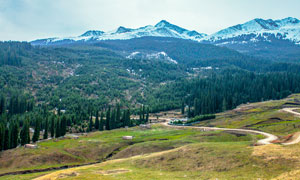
(99, 145)
(214, 160)
(264, 116)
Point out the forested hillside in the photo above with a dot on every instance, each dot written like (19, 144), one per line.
(85, 88)
(223, 90)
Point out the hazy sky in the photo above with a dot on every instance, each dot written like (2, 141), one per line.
(32, 19)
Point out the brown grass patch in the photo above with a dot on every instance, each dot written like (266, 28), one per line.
(276, 152)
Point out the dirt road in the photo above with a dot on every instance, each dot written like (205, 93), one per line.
(268, 140)
(296, 137)
(269, 137)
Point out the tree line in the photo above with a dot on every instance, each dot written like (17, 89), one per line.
(224, 90)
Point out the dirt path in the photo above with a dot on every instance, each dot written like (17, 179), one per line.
(269, 137)
(291, 110)
(268, 140)
(296, 137)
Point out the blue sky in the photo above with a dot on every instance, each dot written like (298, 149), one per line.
(33, 19)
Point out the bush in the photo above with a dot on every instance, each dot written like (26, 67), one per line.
(201, 118)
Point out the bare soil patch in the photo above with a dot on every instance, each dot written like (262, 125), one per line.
(114, 171)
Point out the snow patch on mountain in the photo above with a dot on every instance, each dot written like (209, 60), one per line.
(149, 56)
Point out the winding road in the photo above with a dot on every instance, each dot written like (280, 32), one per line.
(269, 137)
(268, 140)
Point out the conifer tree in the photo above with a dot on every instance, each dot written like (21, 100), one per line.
(97, 120)
(224, 105)
(2, 104)
(123, 119)
(107, 121)
(7, 138)
(90, 128)
(15, 135)
(101, 123)
(25, 134)
(63, 126)
(2, 134)
(46, 129)
(196, 107)
(118, 117)
(147, 115)
(189, 112)
(52, 126)
(128, 122)
(113, 120)
(182, 107)
(143, 114)
(57, 129)
(36, 134)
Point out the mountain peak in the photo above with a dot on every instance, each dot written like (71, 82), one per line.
(92, 33)
(163, 23)
(123, 29)
(291, 19)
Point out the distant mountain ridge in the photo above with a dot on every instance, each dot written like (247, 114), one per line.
(285, 29)
(161, 29)
(279, 39)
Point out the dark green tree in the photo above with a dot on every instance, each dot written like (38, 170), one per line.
(2, 104)
(63, 125)
(37, 129)
(182, 107)
(52, 127)
(2, 135)
(7, 138)
(112, 123)
(127, 119)
(90, 128)
(57, 129)
(15, 134)
(118, 117)
(107, 120)
(97, 120)
(46, 129)
(147, 115)
(224, 105)
(25, 134)
(101, 123)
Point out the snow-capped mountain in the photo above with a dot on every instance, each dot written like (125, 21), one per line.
(258, 30)
(259, 37)
(161, 29)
